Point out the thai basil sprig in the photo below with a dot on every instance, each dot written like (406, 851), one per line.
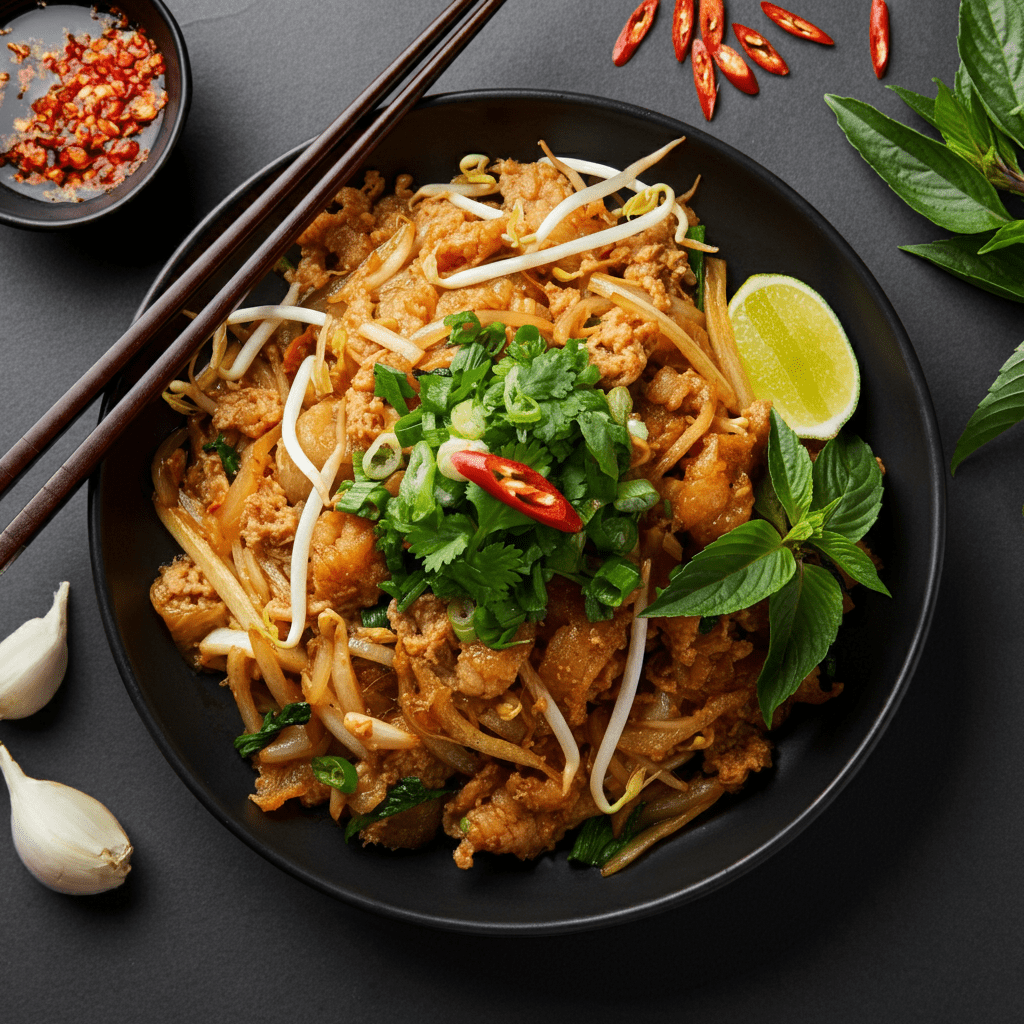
(808, 510)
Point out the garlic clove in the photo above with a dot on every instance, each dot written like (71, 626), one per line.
(33, 660)
(66, 838)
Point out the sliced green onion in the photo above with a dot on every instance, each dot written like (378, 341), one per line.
(375, 617)
(469, 420)
(636, 496)
(409, 429)
(620, 404)
(383, 457)
(362, 498)
(416, 492)
(449, 448)
(637, 428)
(460, 615)
(336, 772)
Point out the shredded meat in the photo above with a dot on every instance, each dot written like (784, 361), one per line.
(251, 411)
(187, 602)
(267, 518)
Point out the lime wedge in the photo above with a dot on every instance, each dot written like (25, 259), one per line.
(796, 353)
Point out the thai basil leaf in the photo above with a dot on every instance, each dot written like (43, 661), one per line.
(846, 469)
(990, 48)
(229, 457)
(926, 175)
(768, 506)
(596, 844)
(803, 619)
(250, 743)
(789, 467)
(851, 559)
(1008, 234)
(742, 567)
(1001, 408)
(967, 95)
(404, 794)
(923, 106)
(336, 772)
(1000, 272)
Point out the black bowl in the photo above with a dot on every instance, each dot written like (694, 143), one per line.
(761, 225)
(23, 210)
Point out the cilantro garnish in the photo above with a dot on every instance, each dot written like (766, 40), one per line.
(229, 457)
(536, 405)
(809, 511)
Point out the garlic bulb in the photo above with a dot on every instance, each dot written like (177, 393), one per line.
(67, 839)
(33, 660)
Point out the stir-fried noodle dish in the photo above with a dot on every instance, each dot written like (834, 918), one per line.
(425, 501)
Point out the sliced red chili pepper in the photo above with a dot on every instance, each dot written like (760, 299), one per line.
(712, 23)
(795, 25)
(302, 346)
(879, 36)
(704, 77)
(759, 50)
(633, 31)
(522, 488)
(682, 28)
(735, 68)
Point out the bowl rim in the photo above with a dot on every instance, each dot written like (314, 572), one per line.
(936, 526)
(45, 220)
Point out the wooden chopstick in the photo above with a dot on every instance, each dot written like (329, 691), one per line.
(51, 425)
(55, 492)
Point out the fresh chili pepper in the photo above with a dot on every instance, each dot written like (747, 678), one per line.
(735, 68)
(520, 487)
(633, 31)
(682, 28)
(712, 23)
(759, 50)
(879, 36)
(795, 25)
(704, 77)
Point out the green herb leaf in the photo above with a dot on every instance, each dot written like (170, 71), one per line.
(1000, 272)
(439, 544)
(1008, 234)
(990, 48)
(768, 506)
(250, 743)
(742, 567)
(596, 844)
(1000, 409)
(846, 469)
(229, 457)
(789, 467)
(696, 259)
(393, 386)
(851, 559)
(804, 618)
(404, 794)
(336, 772)
(926, 175)
(923, 106)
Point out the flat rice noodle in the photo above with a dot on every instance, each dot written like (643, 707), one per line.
(253, 462)
(282, 689)
(462, 732)
(723, 341)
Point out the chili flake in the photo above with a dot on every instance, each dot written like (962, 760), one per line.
(80, 132)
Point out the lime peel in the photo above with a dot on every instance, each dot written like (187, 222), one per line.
(796, 353)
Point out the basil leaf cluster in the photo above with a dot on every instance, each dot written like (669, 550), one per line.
(405, 794)
(954, 182)
(810, 511)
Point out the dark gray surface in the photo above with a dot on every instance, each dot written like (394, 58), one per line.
(901, 903)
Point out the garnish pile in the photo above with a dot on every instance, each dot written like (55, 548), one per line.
(540, 407)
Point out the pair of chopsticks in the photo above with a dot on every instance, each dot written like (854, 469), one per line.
(293, 201)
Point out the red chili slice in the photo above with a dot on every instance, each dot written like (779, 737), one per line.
(522, 488)
(633, 31)
(795, 25)
(712, 23)
(879, 36)
(704, 77)
(735, 68)
(759, 50)
(682, 28)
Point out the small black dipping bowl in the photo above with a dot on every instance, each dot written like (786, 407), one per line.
(22, 210)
